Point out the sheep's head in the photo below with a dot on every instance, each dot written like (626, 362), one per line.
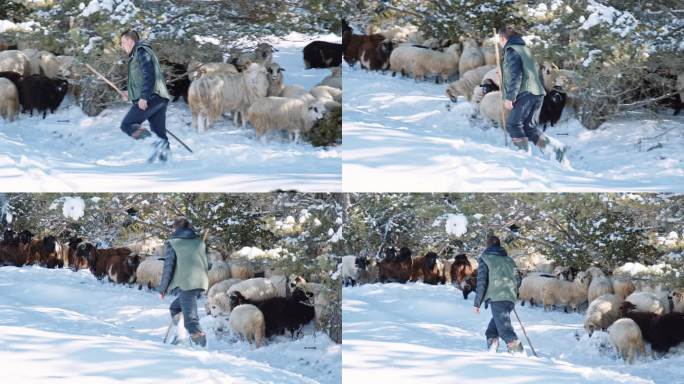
(626, 307)
(390, 253)
(548, 68)
(132, 262)
(404, 253)
(583, 279)
(219, 304)
(25, 236)
(488, 85)
(86, 251)
(361, 262)
(8, 236)
(590, 328)
(316, 110)
(275, 72)
(454, 90)
(301, 296)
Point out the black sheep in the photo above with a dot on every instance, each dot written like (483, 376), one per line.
(42, 93)
(661, 331)
(281, 313)
(552, 107)
(404, 254)
(177, 80)
(322, 54)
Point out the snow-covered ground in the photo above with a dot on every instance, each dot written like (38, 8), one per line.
(69, 151)
(59, 326)
(399, 136)
(416, 333)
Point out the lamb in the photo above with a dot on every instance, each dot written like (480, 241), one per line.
(429, 267)
(293, 115)
(248, 321)
(219, 271)
(471, 58)
(9, 100)
(491, 107)
(600, 285)
(42, 93)
(602, 312)
(256, 289)
(465, 85)
(552, 107)
(334, 79)
(646, 302)
(15, 61)
(149, 272)
(375, 57)
(623, 287)
(322, 54)
(395, 267)
(625, 336)
(211, 96)
(570, 295)
(442, 64)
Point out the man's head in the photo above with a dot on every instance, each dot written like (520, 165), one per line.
(493, 241)
(128, 40)
(506, 32)
(180, 223)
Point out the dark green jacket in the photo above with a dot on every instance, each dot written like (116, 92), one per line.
(144, 74)
(520, 72)
(497, 277)
(185, 263)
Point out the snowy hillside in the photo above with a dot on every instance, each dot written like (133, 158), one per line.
(60, 326)
(399, 136)
(69, 151)
(416, 333)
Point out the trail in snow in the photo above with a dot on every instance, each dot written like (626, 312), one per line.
(399, 136)
(69, 151)
(417, 333)
(60, 326)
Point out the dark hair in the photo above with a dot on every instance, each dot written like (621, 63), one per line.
(182, 222)
(131, 34)
(508, 31)
(493, 241)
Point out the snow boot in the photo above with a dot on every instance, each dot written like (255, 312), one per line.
(164, 151)
(522, 144)
(140, 133)
(515, 347)
(550, 146)
(493, 344)
(199, 339)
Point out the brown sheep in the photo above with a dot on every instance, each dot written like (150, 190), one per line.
(395, 268)
(121, 268)
(430, 268)
(99, 259)
(351, 43)
(464, 274)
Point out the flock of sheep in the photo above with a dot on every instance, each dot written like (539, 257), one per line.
(632, 311)
(251, 87)
(32, 79)
(257, 300)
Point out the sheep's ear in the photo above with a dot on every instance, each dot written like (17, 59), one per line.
(281, 69)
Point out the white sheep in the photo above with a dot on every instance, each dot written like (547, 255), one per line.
(678, 300)
(48, 65)
(334, 79)
(280, 282)
(478, 92)
(595, 272)
(466, 84)
(490, 110)
(241, 270)
(600, 285)
(211, 96)
(442, 64)
(348, 270)
(217, 297)
(262, 54)
(323, 92)
(293, 91)
(625, 336)
(293, 115)
(219, 271)
(275, 79)
(9, 100)
(257, 289)
(489, 53)
(222, 286)
(602, 312)
(531, 289)
(648, 302)
(247, 321)
(321, 301)
(564, 293)
(569, 80)
(471, 57)
(399, 34)
(15, 61)
(149, 272)
(623, 287)
(402, 58)
(197, 70)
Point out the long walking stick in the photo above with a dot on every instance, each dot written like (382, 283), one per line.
(525, 332)
(498, 65)
(101, 76)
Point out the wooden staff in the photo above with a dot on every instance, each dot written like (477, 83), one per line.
(503, 97)
(101, 76)
(525, 332)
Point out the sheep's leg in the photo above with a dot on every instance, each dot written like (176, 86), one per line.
(194, 119)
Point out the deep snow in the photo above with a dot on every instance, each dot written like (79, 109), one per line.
(417, 333)
(400, 137)
(69, 151)
(60, 326)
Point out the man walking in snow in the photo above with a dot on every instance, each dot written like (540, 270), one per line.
(524, 93)
(147, 92)
(185, 270)
(497, 286)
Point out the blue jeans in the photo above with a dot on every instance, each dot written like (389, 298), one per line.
(186, 302)
(155, 114)
(500, 325)
(524, 118)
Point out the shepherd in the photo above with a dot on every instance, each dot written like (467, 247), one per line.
(497, 286)
(147, 92)
(186, 268)
(523, 93)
